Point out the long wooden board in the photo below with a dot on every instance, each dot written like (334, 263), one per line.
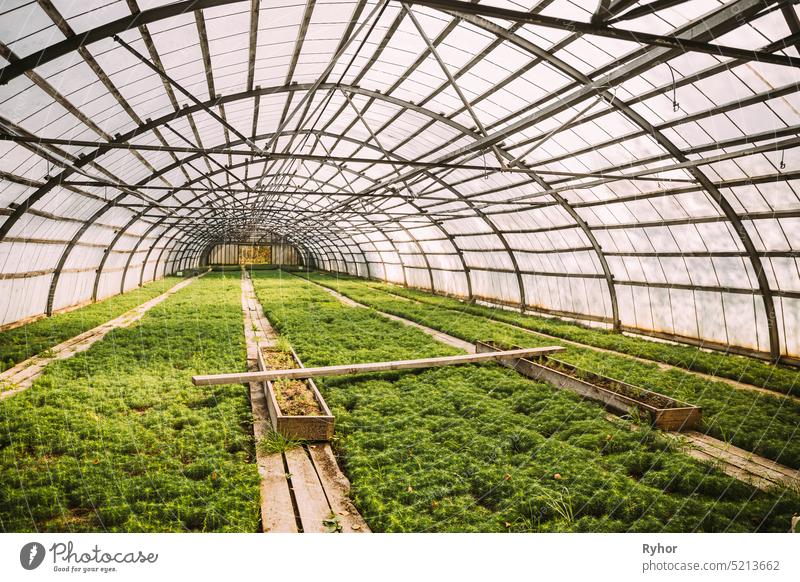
(241, 378)
(312, 504)
(302, 489)
(277, 511)
(337, 488)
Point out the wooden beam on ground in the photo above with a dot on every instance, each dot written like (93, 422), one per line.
(243, 378)
(337, 488)
(312, 504)
(746, 466)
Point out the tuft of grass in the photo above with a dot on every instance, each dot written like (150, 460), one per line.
(275, 443)
(284, 345)
(560, 503)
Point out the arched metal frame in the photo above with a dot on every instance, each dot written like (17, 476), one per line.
(181, 248)
(190, 183)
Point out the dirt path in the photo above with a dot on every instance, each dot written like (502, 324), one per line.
(302, 488)
(22, 376)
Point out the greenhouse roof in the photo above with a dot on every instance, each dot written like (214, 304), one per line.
(631, 163)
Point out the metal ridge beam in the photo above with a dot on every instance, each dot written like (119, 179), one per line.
(646, 38)
(136, 19)
(104, 31)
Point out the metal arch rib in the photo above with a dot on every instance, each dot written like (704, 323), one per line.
(561, 201)
(160, 222)
(153, 124)
(144, 17)
(596, 87)
(197, 247)
(172, 166)
(179, 231)
(178, 188)
(144, 236)
(711, 189)
(195, 7)
(373, 94)
(458, 8)
(104, 31)
(445, 120)
(456, 249)
(197, 244)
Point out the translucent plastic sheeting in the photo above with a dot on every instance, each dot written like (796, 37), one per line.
(588, 172)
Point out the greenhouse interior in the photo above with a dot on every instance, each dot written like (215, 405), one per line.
(415, 266)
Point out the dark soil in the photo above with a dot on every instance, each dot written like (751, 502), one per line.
(295, 398)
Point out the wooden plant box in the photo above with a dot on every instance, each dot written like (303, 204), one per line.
(668, 414)
(306, 428)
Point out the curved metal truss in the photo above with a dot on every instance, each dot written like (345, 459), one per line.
(632, 163)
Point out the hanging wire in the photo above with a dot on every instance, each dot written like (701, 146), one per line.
(782, 165)
(675, 105)
(613, 91)
(411, 194)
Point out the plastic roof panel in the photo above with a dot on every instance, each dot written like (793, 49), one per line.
(588, 176)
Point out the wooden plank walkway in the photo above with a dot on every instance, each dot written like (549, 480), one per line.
(746, 466)
(738, 463)
(22, 376)
(302, 489)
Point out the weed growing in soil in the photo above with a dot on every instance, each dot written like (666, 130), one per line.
(481, 448)
(283, 345)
